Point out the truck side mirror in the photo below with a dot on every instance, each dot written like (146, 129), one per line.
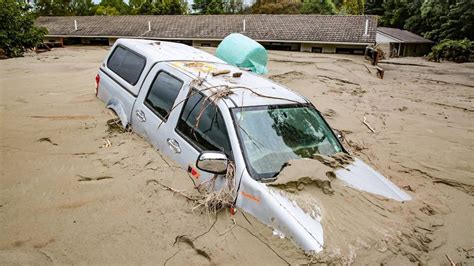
(213, 162)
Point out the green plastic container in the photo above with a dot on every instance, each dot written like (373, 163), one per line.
(239, 50)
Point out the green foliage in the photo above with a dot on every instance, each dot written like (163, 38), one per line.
(397, 12)
(65, 7)
(112, 8)
(215, 7)
(160, 7)
(218, 6)
(83, 7)
(135, 4)
(53, 8)
(276, 7)
(17, 30)
(352, 7)
(449, 20)
(106, 11)
(374, 7)
(323, 7)
(452, 50)
(233, 6)
(208, 6)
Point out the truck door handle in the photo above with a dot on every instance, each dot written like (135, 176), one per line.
(174, 145)
(141, 115)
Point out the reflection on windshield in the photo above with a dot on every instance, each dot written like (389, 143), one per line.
(273, 135)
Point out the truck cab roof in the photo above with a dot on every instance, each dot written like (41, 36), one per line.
(248, 89)
(159, 51)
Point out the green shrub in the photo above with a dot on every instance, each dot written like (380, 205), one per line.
(17, 30)
(452, 50)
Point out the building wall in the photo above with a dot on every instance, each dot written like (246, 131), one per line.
(382, 38)
(303, 47)
(416, 49)
(332, 48)
(54, 41)
(406, 49)
(282, 46)
(200, 43)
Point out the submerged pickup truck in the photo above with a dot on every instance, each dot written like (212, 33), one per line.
(166, 93)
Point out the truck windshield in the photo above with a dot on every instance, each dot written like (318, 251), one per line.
(272, 135)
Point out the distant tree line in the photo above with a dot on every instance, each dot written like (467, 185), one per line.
(323, 7)
(179, 7)
(136, 7)
(109, 7)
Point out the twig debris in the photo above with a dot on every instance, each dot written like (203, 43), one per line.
(450, 260)
(368, 125)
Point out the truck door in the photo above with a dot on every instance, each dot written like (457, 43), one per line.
(157, 109)
(200, 127)
(179, 121)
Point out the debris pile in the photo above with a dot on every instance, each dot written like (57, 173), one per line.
(215, 194)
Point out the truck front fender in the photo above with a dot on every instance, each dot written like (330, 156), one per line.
(273, 209)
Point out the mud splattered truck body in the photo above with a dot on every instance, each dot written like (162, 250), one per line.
(167, 94)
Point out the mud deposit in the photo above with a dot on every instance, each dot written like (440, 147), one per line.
(303, 172)
(76, 190)
(362, 227)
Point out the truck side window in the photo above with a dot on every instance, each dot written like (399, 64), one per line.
(126, 64)
(203, 125)
(162, 94)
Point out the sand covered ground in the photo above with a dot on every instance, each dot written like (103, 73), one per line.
(67, 196)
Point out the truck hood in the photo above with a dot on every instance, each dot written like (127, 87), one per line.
(360, 176)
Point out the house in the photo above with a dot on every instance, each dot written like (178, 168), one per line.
(308, 33)
(396, 42)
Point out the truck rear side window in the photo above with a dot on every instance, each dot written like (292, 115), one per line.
(126, 64)
(202, 124)
(162, 94)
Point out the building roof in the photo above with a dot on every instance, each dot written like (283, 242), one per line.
(289, 28)
(403, 36)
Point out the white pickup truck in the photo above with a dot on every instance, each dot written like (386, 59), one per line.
(166, 92)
